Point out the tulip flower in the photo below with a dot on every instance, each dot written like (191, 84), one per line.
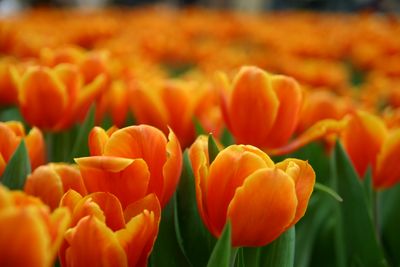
(103, 234)
(132, 162)
(53, 99)
(11, 134)
(261, 199)
(50, 182)
(260, 108)
(370, 144)
(31, 235)
(171, 104)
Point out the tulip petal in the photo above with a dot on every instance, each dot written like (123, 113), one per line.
(97, 140)
(172, 168)
(198, 154)
(262, 208)
(24, 229)
(141, 142)
(9, 142)
(71, 177)
(147, 106)
(138, 237)
(111, 208)
(303, 176)
(387, 164)
(228, 172)
(363, 128)
(46, 184)
(36, 147)
(149, 202)
(40, 85)
(319, 130)
(253, 106)
(290, 99)
(127, 179)
(70, 199)
(92, 243)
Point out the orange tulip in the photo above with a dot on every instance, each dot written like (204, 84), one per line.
(50, 182)
(31, 235)
(261, 199)
(172, 104)
(370, 144)
(11, 134)
(54, 99)
(103, 234)
(132, 162)
(8, 91)
(260, 108)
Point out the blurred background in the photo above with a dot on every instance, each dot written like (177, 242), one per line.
(9, 6)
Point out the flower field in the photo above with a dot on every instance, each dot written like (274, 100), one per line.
(192, 137)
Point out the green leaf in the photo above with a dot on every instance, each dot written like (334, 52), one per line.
(17, 169)
(227, 138)
(390, 220)
(327, 190)
(358, 232)
(213, 149)
(195, 240)
(166, 251)
(223, 254)
(239, 262)
(199, 130)
(307, 229)
(80, 147)
(280, 253)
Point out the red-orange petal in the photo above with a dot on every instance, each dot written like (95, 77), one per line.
(227, 172)
(98, 138)
(92, 243)
(36, 147)
(290, 100)
(141, 142)
(253, 106)
(303, 176)
(262, 208)
(387, 171)
(127, 179)
(362, 139)
(40, 85)
(24, 240)
(172, 168)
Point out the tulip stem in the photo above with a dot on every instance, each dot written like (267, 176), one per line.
(234, 252)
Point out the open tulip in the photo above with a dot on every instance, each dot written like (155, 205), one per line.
(370, 144)
(11, 134)
(261, 199)
(132, 162)
(55, 98)
(260, 108)
(103, 234)
(50, 182)
(31, 235)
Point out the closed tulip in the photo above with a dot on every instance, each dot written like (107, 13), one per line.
(104, 234)
(132, 162)
(369, 143)
(243, 185)
(55, 98)
(260, 108)
(31, 235)
(50, 182)
(11, 134)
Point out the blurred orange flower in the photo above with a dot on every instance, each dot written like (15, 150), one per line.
(50, 182)
(260, 108)
(369, 143)
(261, 199)
(53, 99)
(103, 234)
(11, 133)
(31, 235)
(132, 162)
